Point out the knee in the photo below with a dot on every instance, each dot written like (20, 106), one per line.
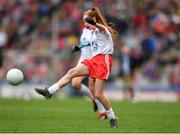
(91, 86)
(97, 95)
(91, 89)
(72, 72)
(76, 84)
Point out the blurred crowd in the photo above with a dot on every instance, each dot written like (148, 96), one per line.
(37, 36)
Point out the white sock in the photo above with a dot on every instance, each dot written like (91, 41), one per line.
(86, 91)
(110, 114)
(101, 108)
(52, 89)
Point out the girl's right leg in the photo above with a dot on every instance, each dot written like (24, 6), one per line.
(79, 70)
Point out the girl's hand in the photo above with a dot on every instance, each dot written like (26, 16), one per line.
(75, 48)
(90, 21)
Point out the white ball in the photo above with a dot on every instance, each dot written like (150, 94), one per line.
(14, 76)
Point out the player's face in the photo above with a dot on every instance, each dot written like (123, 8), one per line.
(85, 16)
(87, 25)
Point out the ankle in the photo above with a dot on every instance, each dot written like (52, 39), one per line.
(54, 88)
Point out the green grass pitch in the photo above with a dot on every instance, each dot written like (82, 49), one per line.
(76, 115)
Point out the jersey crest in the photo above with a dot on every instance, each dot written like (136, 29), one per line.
(95, 46)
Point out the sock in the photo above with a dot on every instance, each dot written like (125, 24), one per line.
(101, 108)
(86, 91)
(52, 89)
(110, 114)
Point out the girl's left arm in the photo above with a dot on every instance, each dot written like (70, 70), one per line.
(98, 25)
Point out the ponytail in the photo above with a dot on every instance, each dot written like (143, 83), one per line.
(101, 19)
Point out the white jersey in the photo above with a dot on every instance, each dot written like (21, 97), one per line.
(85, 51)
(101, 42)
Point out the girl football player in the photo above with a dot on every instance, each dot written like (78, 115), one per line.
(77, 81)
(97, 67)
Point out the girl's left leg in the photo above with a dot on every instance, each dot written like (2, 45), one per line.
(101, 110)
(99, 94)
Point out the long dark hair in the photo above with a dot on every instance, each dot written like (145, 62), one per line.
(95, 12)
